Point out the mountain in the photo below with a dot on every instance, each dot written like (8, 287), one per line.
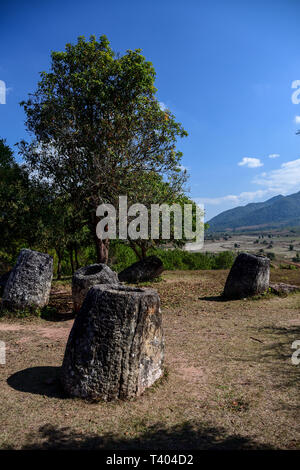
(277, 212)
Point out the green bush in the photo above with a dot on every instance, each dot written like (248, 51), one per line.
(288, 266)
(122, 256)
(224, 260)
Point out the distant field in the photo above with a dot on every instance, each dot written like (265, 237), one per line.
(279, 244)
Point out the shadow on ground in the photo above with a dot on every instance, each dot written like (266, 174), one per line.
(38, 380)
(185, 436)
(54, 316)
(280, 350)
(215, 298)
(276, 355)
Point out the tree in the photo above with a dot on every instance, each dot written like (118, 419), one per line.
(6, 155)
(19, 205)
(64, 231)
(95, 124)
(150, 188)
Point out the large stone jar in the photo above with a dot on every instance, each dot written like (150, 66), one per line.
(116, 346)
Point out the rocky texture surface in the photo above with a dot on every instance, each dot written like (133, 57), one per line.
(145, 270)
(3, 281)
(283, 289)
(29, 284)
(116, 346)
(249, 275)
(84, 278)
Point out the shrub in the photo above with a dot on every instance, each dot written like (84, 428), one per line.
(288, 266)
(122, 256)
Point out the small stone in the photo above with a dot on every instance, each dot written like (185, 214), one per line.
(283, 289)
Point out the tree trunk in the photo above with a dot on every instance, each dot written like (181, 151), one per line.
(102, 246)
(144, 251)
(71, 260)
(133, 246)
(102, 250)
(59, 258)
(76, 256)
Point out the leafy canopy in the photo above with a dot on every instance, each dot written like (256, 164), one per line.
(95, 122)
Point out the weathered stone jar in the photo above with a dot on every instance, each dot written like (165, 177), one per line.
(84, 278)
(249, 275)
(144, 270)
(116, 346)
(29, 283)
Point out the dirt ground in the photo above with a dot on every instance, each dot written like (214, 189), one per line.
(229, 380)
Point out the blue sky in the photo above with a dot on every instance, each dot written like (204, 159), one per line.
(224, 68)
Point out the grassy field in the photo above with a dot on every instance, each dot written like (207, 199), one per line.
(229, 380)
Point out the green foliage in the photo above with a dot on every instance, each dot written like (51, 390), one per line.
(223, 260)
(6, 155)
(151, 188)
(288, 266)
(185, 260)
(121, 256)
(48, 312)
(21, 206)
(24, 313)
(173, 259)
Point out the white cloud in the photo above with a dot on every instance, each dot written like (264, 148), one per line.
(283, 180)
(242, 198)
(251, 162)
(274, 155)
(297, 119)
(163, 106)
(183, 168)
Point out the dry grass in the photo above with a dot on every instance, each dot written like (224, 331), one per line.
(230, 383)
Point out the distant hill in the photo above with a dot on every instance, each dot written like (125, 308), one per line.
(278, 212)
